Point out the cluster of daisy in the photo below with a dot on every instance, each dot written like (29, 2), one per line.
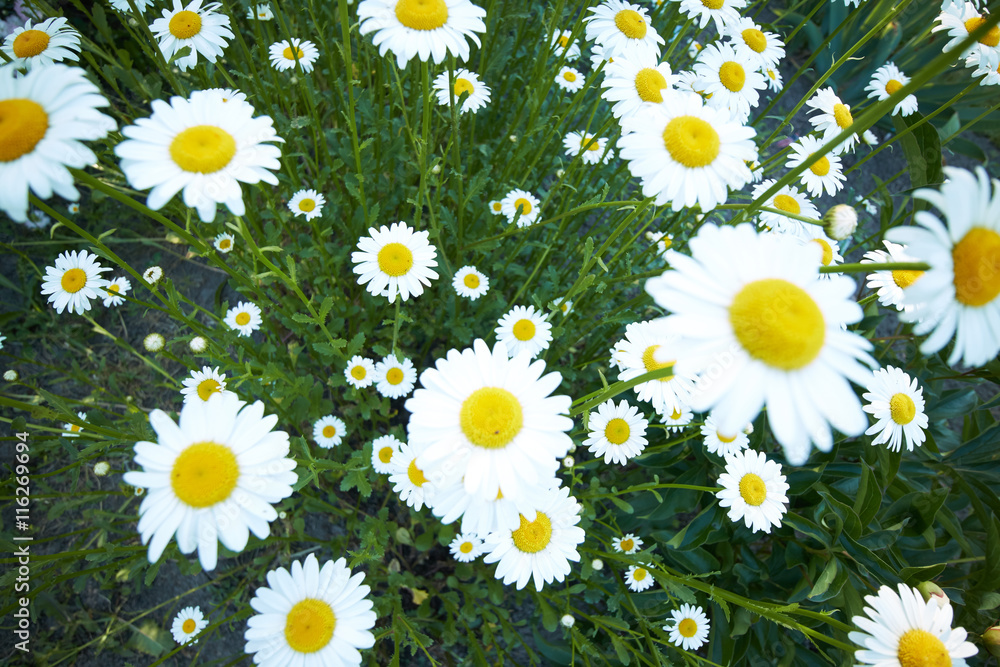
(959, 19)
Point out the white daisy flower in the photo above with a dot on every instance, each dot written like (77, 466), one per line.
(797, 360)
(638, 578)
(890, 284)
(633, 80)
(47, 113)
(640, 352)
(395, 260)
(51, 41)
(540, 549)
(594, 149)
(191, 26)
(616, 432)
(754, 46)
(687, 153)
(829, 249)
(774, 80)
(496, 207)
(564, 306)
(482, 516)
(37, 220)
(410, 482)
(897, 403)
(73, 430)
(570, 79)
(224, 242)
(722, 444)
(223, 95)
(960, 294)
(260, 12)
(470, 283)
(618, 25)
(465, 83)
(203, 146)
(244, 317)
(214, 477)
(123, 6)
(600, 57)
(394, 378)
(520, 205)
(688, 627)
(203, 384)
(287, 52)
(833, 118)
(152, 275)
(467, 547)
(153, 342)
(730, 82)
(523, 331)
(329, 431)
(960, 19)
(188, 622)
(694, 48)
(563, 44)
(677, 419)
(869, 138)
(489, 421)
(2, 339)
(384, 451)
(787, 199)
(423, 28)
(360, 372)
(990, 74)
(311, 616)
(886, 80)
(824, 174)
(74, 281)
(628, 544)
(904, 630)
(753, 490)
(308, 203)
(116, 288)
(723, 12)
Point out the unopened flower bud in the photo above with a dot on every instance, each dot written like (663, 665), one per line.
(567, 621)
(10, 375)
(597, 564)
(932, 591)
(560, 173)
(513, 138)
(436, 169)
(198, 344)
(749, 428)
(991, 640)
(569, 462)
(840, 222)
(153, 342)
(101, 468)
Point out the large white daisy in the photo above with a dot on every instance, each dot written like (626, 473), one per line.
(831, 118)
(524, 331)
(754, 490)
(51, 41)
(617, 25)
(200, 29)
(422, 28)
(730, 82)
(753, 45)
(634, 79)
(897, 404)
(74, 281)
(617, 432)
(395, 260)
(960, 19)
(824, 174)
(886, 80)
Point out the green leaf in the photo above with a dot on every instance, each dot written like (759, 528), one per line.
(922, 149)
(825, 578)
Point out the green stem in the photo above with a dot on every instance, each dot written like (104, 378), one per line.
(885, 266)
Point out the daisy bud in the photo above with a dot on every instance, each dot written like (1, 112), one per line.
(597, 564)
(282, 515)
(560, 173)
(10, 375)
(101, 468)
(567, 621)
(932, 591)
(153, 342)
(294, 80)
(198, 344)
(436, 169)
(569, 462)
(840, 222)
(513, 138)
(749, 428)
(991, 639)
(138, 491)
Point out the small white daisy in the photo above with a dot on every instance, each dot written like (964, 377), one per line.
(360, 372)
(563, 44)
(569, 79)
(628, 544)
(200, 29)
(600, 57)
(329, 431)
(74, 281)
(152, 275)
(496, 207)
(618, 25)
(244, 318)
(633, 80)
(522, 330)
(520, 205)
(593, 149)
(470, 283)
(394, 378)
(123, 6)
(465, 83)
(790, 200)
(723, 12)
(774, 80)
(224, 242)
(117, 287)
(285, 53)
(677, 419)
(73, 430)
(722, 444)
(638, 578)
(410, 482)
(824, 174)
(384, 451)
(203, 384)
(730, 82)
(833, 117)
(890, 284)
(886, 80)
(188, 622)
(466, 547)
(616, 432)
(688, 627)
(564, 306)
(423, 28)
(308, 203)
(753, 490)
(897, 403)
(51, 41)
(395, 261)
(762, 49)
(260, 12)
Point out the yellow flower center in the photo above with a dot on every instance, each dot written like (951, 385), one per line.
(827, 251)
(533, 536)
(204, 149)
(309, 625)
(617, 431)
(639, 574)
(242, 319)
(463, 86)
(902, 408)
(778, 323)
(589, 143)
(733, 76)
(523, 205)
(892, 86)
(415, 474)
(631, 24)
(772, 75)
(752, 489)
(395, 259)
(114, 288)
(73, 280)
(497, 206)
(676, 414)
(466, 547)
(991, 38)
(976, 261)
(787, 203)
(204, 474)
(23, 123)
(524, 330)
(307, 205)
(904, 279)
(491, 417)
(385, 454)
(30, 43)
(713, 4)
(687, 627)
(755, 39)
(75, 428)
(691, 141)
(471, 281)
(394, 375)
(358, 372)
(649, 83)
(563, 41)
(842, 115)
(919, 648)
(188, 626)
(329, 431)
(821, 167)
(422, 14)
(724, 438)
(207, 387)
(651, 364)
(225, 244)
(291, 53)
(627, 544)
(569, 76)
(185, 24)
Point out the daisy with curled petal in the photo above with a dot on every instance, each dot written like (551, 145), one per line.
(753, 45)
(960, 19)
(311, 616)
(74, 281)
(616, 432)
(618, 25)
(46, 113)
(902, 629)
(520, 205)
(224, 242)
(753, 490)
(524, 331)
(687, 153)
(203, 384)
(395, 260)
(638, 578)
(787, 199)
(51, 41)
(890, 284)
(570, 79)
(360, 372)
(466, 547)
(200, 29)
(287, 52)
(384, 451)
(723, 12)
(465, 83)
(114, 291)
(188, 622)
(308, 203)
(73, 430)
(634, 79)
(470, 283)
(833, 117)
(211, 478)
(562, 42)
(824, 174)
(722, 444)
(423, 28)
(540, 549)
(394, 378)
(759, 327)
(960, 294)
(593, 150)
(688, 627)
(627, 544)
(640, 352)
(730, 82)
(408, 479)
(329, 431)
(897, 403)
(886, 80)
(244, 317)
(677, 419)
(204, 147)
(260, 12)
